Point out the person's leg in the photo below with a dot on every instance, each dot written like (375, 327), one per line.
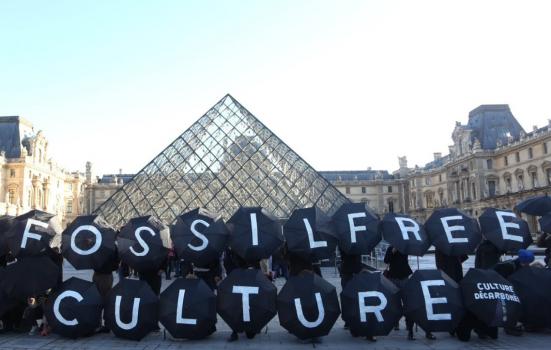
(409, 327)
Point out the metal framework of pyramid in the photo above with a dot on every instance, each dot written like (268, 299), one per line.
(225, 160)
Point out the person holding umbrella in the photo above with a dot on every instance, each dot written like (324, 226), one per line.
(398, 271)
(451, 265)
(487, 255)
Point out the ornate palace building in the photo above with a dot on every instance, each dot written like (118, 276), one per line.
(30, 179)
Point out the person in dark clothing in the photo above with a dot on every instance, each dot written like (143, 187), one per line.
(210, 274)
(399, 271)
(279, 264)
(470, 323)
(103, 279)
(57, 258)
(154, 278)
(451, 265)
(487, 255)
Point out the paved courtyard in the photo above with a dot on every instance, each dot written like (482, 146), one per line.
(275, 337)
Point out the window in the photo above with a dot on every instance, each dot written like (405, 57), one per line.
(427, 180)
(12, 172)
(548, 173)
(545, 147)
(363, 189)
(365, 201)
(390, 206)
(70, 206)
(473, 190)
(508, 184)
(389, 189)
(534, 178)
(347, 190)
(506, 160)
(471, 166)
(439, 177)
(492, 188)
(489, 163)
(520, 180)
(11, 196)
(517, 157)
(530, 153)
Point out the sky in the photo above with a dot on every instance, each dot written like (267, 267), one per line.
(347, 84)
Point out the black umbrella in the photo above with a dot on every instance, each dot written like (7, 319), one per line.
(491, 298)
(405, 234)
(537, 205)
(371, 304)
(131, 309)
(433, 300)
(29, 277)
(255, 234)
(357, 228)
(308, 306)
(31, 233)
(533, 287)
(310, 234)
(246, 300)
(143, 243)
(187, 309)
(89, 242)
(545, 223)
(74, 309)
(505, 230)
(453, 232)
(6, 222)
(199, 236)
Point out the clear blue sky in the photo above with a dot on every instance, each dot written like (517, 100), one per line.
(347, 84)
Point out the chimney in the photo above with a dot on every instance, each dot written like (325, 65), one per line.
(120, 171)
(437, 155)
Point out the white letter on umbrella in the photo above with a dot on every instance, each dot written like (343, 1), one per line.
(28, 234)
(96, 245)
(57, 314)
(354, 228)
(254, 228)
(405, 229)
(313, 243)
(376, 309)
(135, 313)
(429, 301)
(303, 320)
(504, 225)
(245, 292)
(142, 243)
(180, 307)
(450, 229)
(204, 240)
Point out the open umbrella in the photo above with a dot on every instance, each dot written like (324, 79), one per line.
(491, 298)
(433, 300)
(453, 232)
(357, 228)
(310, 234)
(255, 234)
(371, 304)
(199, 236)
(6, 222)
(131, 309)
(533, 287)
(89, 242)
(246, 300)
(74, 309)
(537, 205)
(29, 277)
(187, 309)
(505, 230)
(31, 233)
(143, 243)
(545, 223)
(308, 306)
(405, 234)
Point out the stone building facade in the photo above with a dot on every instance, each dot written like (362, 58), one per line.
(30, 179)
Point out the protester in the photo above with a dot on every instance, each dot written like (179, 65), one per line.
(399, 271)
(211, 274)
(103, 279)
(171, 262)
(471, 323)
(487, 255)
(279, 264)
(451, 265)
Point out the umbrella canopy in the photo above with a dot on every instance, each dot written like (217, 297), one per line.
(31, 233)
(405, 234)
(143, 243)
(433, 300)
(537, 205)
(371, 304)
(310, 234)
(505, 230)
(308, 306)
(246, 300)
(187, 309)
(199, 236)
(255, 234)
(490, 297)
(453, 232)
(533, 287)
(357, 228)
(29, 277)
(6, 222)
(131, 309)
(89, 243)
(545, 223)
(74, 309)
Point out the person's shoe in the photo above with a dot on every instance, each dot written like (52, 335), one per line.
(430, 336)
(410, 335)
(103, 329)
(233, 337)
(514, 331)
(250, 335)
(354, 334)
(34, 330)
(371, 338)
(346, 326)
(397, 328)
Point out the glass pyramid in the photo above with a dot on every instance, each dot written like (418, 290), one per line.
(225, 160)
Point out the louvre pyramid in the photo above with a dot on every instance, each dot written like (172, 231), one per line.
(225, 160)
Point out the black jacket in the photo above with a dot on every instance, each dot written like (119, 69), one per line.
(451, 265)
(398, 265)
(487, 255)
